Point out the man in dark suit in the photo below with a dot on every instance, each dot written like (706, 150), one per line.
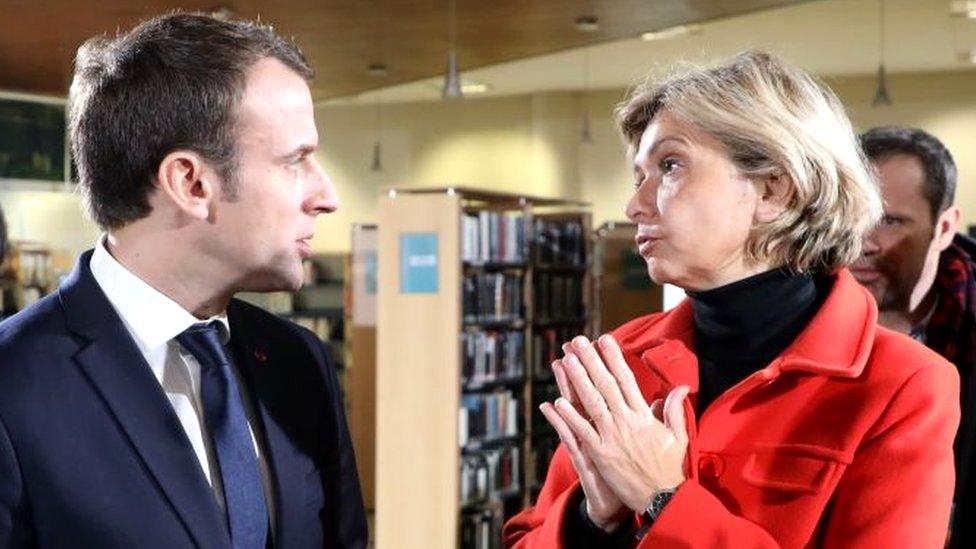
(140, 405)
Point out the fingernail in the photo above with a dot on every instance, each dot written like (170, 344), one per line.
(580, 342)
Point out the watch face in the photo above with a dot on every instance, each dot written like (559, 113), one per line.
(656, 506)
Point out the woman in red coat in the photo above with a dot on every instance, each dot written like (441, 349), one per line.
(769, 409)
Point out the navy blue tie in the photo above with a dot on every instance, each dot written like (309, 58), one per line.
(247, 512)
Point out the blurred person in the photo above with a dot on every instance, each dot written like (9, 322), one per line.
(3, 238)
(768, 409)
(140, 404)
(922, 274)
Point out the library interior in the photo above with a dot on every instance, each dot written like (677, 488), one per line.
(484, 216)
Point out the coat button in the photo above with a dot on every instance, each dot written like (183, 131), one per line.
(711, 465)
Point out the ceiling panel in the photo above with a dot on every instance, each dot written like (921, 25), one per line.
(341, 38)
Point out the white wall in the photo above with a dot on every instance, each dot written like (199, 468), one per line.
(528, 144)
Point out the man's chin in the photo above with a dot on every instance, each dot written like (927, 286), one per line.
(275, 282)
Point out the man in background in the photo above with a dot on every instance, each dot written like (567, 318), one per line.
(140, 404)
(923, 276)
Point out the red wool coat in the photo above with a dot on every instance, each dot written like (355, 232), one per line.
(844, 440)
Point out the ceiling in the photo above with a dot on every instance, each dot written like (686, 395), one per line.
(341, 38)
(827, 37)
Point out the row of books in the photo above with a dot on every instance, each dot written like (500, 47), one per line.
(547, 346)
(558, 296)
(488, 236)
(480, 530)
(559, 242)
(492, 356)
(484, 417)
(492, 297)
(490, 474)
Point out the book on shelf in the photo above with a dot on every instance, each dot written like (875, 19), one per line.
(492, 297)
(547, 347)
(558, 297)
(493, 237)
(559, 242)
(474, 479)
(478, 530)
(490, 474)
(487, 417)
(491, 356)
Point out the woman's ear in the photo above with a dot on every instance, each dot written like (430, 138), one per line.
(775, 193)
(184, 180)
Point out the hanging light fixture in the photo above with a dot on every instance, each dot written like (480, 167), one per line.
(377, 164)
(881, 95)
(378, 69)
(585, 135)
(452, 80)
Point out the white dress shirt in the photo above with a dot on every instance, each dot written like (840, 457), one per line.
(154, 320)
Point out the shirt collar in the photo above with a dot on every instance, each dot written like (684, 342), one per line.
(152, 317)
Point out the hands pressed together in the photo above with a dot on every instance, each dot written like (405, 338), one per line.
(623, 449)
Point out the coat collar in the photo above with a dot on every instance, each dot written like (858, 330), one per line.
(116, 368)
(836, 343)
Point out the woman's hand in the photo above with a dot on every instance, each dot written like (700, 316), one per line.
(603, 506)
(633, 453)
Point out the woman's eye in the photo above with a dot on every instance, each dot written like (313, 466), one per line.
(668, 165)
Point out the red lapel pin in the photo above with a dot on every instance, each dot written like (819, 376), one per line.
(260, 356)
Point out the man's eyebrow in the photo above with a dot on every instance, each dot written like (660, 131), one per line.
(301, 150)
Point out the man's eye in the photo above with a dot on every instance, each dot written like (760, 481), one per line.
(668, 165)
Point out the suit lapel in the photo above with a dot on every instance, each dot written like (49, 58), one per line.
(125, 382)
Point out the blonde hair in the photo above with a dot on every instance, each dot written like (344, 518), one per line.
(776, 120)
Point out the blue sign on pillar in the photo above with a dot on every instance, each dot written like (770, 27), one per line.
(418, 263)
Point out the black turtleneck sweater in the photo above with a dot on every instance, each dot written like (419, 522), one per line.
(739, 329)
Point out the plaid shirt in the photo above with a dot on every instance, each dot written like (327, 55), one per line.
(951, 332)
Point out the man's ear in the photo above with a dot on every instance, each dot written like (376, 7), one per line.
(775, 193)
(946, 226)
(185, 180)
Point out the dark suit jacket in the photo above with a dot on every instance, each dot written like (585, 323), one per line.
(92, 454)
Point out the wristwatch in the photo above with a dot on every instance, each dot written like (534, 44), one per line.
(655, 506)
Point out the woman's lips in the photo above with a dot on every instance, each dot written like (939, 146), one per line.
(304, 248)
(644, 244)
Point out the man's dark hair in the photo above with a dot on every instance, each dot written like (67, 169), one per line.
(170, 83)
(940, 170)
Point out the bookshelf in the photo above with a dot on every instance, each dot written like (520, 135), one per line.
(622, 288)
(473, 285)
(29, 273)
(360, 381)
